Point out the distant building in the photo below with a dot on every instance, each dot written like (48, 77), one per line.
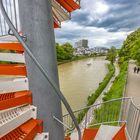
(100, 50)
(81, 44)
(81, 48)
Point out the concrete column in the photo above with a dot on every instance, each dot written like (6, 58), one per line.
(37, 25)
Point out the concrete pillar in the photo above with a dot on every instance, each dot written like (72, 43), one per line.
(37, 25)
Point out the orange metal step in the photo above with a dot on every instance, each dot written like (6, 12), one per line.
(89, 133)
(27, 131)
(66, 5)
(13, 69)
(73, 4)
(56, 25)
(120, 134)
(10, 100)
(11, 46)
(67, 138)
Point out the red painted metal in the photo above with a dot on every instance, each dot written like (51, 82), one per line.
(14, 99)
(26, 131)
(120, 134)
(11, 46)
(69, 5)
(67, 138)
(13, 69)
(89, 133)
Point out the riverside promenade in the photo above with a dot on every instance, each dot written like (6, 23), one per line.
(133, 84)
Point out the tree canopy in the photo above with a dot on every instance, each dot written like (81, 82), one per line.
(112, 52)
(64, 51)
(131, 47)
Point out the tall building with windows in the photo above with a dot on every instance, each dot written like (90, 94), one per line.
(81, 44)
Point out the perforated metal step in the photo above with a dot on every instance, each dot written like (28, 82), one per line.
(9, 100)
(13, 46)
(26, 131)
(12, 84)
(13, 118)
(69, 5)
(12, 57)
(59, 11)
(106, 132)
(13, 69)
(42, 136)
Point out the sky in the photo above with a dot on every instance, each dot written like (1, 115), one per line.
(104, 23)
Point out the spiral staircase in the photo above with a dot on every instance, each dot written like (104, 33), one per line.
(18, 116)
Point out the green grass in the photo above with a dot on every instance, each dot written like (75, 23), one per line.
(110, 111)
(96, 94)
(103, 84)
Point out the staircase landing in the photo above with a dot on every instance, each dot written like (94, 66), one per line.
(106, 132)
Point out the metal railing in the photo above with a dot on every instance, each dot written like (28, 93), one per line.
(11, 8)
(133, 122)
(113, 112)
(14, 29)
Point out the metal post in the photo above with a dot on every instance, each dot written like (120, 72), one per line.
(37, 25)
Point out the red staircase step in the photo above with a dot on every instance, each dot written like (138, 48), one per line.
(73, 4)
(65, 5)
(27, 131)
(15, 46)
(9, 100)
(89, 133)
(56, 25)
(13, 69)
(69, 5)
(67, 138)
(120, 134)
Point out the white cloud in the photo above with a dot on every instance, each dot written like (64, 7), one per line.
(100, 22)
(71, 32)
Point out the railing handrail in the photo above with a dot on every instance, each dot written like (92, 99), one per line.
(110, 122)
(44, 72)
(58, 120)
(94, 105)
(129, 114)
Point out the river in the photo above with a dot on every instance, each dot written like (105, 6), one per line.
(78, 80)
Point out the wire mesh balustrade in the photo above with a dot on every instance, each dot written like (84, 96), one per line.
(114, 112)
(11, 7)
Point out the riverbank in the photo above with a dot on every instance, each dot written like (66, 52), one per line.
(75, 59)
(116, 91)
(77, 79)
(93, 97)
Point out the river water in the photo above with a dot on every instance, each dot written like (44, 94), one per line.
(78, 80)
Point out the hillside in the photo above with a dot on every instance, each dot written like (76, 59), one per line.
(131, 46)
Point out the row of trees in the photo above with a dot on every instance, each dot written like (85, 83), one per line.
(64, 51)
(131, 47)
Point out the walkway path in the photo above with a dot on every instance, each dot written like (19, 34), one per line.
(133, 84)
(89, 116)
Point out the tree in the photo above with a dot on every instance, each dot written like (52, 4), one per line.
(112, 52)
(135, 52)
(131, 47)
(68, 51)
(64, 51)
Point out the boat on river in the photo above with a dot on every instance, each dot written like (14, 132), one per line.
(89, 63)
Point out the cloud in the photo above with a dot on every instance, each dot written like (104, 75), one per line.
(102, 22)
